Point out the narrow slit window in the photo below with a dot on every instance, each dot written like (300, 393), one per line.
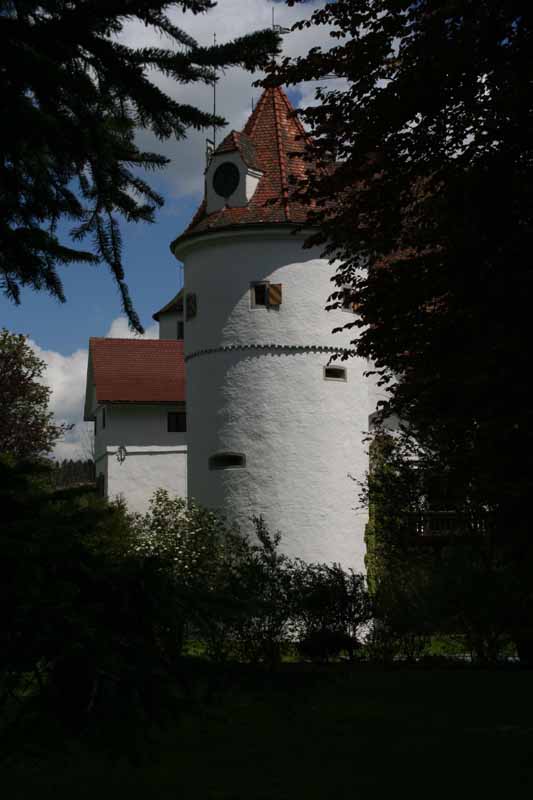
(191, 306)
(177, 422)
(335, 373)
(181, 330)
(227, 460)
(103, 418)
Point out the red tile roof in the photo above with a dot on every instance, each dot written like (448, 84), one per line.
(241, 143)
(272, 141)
(138, 370)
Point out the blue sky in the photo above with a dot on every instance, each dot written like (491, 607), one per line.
(60, 332)
(93, 301)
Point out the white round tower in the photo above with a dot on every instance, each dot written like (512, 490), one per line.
(273, 428)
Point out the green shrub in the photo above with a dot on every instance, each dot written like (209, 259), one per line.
(332, 608)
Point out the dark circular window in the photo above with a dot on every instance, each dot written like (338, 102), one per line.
(226, 179)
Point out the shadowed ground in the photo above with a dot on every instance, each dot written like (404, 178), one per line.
(317, 733)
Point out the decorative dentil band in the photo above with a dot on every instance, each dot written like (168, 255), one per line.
(292, 348)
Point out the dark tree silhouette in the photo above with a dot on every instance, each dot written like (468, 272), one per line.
(74, 96)
(27, 429)
(430, 210)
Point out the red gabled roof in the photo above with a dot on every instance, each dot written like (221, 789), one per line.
(173, 305)
(272, 142)
(138, 370)
(241, 143)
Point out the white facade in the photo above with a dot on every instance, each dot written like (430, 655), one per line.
(256, 387)
(271, 430)
(137, 455)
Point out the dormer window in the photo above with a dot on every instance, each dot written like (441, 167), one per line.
(226, 179)
(233, 174)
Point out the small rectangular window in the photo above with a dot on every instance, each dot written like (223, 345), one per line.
(266, 294)
(177, 421)
(103, 418)
(335, 373)
(181, 330)
(260, 294)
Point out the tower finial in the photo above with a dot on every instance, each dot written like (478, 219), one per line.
(278, 29)
(215, 99)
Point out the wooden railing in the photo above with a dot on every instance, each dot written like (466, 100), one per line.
(446, 523)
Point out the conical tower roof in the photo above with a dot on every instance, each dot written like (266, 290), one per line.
(271, 142)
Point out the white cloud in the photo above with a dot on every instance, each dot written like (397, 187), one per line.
(66, 376)
(230, 19)
(119, 330)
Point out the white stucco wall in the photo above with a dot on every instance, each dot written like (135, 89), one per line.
(154, 458)
(143, 470)
(301, 434)
(136, 424)
(220, 268)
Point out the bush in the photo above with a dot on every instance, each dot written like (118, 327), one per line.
(332, 608)
(266, 578)
(240, 597)
(87, 621)
(201, 556)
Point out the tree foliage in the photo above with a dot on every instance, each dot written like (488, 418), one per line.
(27, 428)
(234, 591)
(467, 579)
(332, 609)
(430, 137)
(68, 472)
(75, 95)
(88, 625)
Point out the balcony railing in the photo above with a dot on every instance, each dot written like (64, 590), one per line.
(430, 524)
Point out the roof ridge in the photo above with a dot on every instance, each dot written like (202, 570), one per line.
(133, 339)
(170, 306)
(281, 155)
(294, 115)
(249, 128)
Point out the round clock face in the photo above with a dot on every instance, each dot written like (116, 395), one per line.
(226, 179)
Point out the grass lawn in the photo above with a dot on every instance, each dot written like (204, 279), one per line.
(319, 733)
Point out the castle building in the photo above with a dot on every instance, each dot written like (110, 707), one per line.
(238, 404)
